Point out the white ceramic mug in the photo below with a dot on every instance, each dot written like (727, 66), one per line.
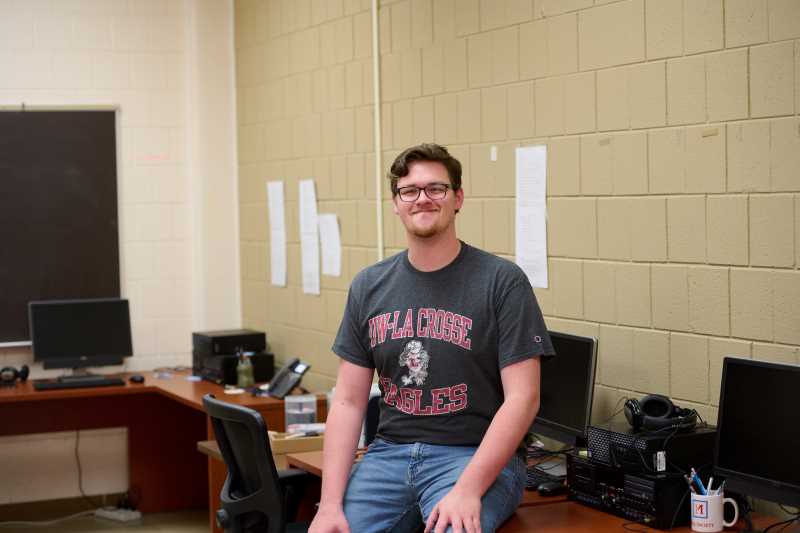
(707, 512)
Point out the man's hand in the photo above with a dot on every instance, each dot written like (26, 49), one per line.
(329, 519)
(457, 509)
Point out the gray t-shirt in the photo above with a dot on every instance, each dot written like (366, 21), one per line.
(438, 341)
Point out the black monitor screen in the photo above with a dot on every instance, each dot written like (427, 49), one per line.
(567, 388)
(80, 333)
(758, 429)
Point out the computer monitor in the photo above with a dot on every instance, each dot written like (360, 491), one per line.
(758, 429)
(80, 333)
(567, 389)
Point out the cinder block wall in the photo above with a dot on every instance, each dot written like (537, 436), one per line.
(673, 175)
(148, 59)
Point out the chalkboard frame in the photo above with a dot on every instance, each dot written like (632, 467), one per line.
(59, 209)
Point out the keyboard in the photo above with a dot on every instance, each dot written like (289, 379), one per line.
(537, 476)
(91, 381)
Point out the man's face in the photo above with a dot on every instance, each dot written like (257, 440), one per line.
(425, 217)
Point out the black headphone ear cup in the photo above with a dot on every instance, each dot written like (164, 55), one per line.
(681, 419)
(8, 374)
(633, 413)
(657, 406)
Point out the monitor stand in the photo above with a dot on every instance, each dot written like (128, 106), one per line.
(81, 375)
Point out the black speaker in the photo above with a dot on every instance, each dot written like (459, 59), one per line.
(221, 369)
(9, 375)
(655, 412)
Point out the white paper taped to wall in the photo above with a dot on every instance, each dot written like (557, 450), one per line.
(277, 233)
(331, 242)
(531, 223)
(309, 237)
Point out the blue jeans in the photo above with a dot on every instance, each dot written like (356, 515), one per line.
(393, 483)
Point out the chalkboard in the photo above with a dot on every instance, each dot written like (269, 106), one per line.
(58, 211)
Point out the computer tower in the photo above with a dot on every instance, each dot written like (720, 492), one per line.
(620, 446)
(224, 342)
(656, 500)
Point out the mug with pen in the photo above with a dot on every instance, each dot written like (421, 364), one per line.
(707, 505)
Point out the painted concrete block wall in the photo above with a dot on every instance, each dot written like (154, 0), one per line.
(673, 182)
(142, 57)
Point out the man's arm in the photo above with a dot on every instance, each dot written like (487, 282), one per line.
(342, 430)
(462, 505)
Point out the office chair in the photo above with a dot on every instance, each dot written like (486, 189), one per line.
(256, 498)
(371, 419)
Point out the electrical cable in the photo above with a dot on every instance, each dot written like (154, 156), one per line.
(678, 510)
(786, 510)
(80, 471)
(784, 523)
(617, 410)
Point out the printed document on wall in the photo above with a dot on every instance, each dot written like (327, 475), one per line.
(331, 244)
(309, 237)
(531, 221)
(277, 233)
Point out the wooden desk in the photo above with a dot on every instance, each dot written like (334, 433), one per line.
(573, 517)
(165, 420)
(539, 514)
(311, 462)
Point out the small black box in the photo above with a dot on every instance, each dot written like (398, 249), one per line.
(225, 342)
(619, 446)
(221, 369)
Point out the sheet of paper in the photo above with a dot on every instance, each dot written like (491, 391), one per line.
(531, 221)
(309, 237)
(277, 233)
(331, 244)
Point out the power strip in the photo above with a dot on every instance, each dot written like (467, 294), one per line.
(120, 515)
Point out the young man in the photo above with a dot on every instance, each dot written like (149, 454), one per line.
(454, 334)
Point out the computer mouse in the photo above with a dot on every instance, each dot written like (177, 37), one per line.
(552, 488)
(136, 378)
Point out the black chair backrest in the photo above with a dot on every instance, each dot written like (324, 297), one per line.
(252, 497)
(371, 419)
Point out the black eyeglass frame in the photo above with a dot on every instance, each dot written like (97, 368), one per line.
(425, 188)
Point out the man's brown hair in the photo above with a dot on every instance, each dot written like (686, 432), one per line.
(425, 152)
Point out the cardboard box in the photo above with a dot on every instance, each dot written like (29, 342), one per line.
(281, 446)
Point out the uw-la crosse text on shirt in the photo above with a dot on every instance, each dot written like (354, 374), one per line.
(438, 341)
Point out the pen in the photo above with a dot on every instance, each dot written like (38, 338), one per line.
(700, 486)
(722, 486)
(710, 483)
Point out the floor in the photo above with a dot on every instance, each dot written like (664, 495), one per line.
(177, 522)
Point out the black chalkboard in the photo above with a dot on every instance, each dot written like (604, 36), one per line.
(58, 211)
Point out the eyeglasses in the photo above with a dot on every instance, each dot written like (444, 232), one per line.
(434, 191)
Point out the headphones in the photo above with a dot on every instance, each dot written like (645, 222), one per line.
(655, 412)
(9, 375)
